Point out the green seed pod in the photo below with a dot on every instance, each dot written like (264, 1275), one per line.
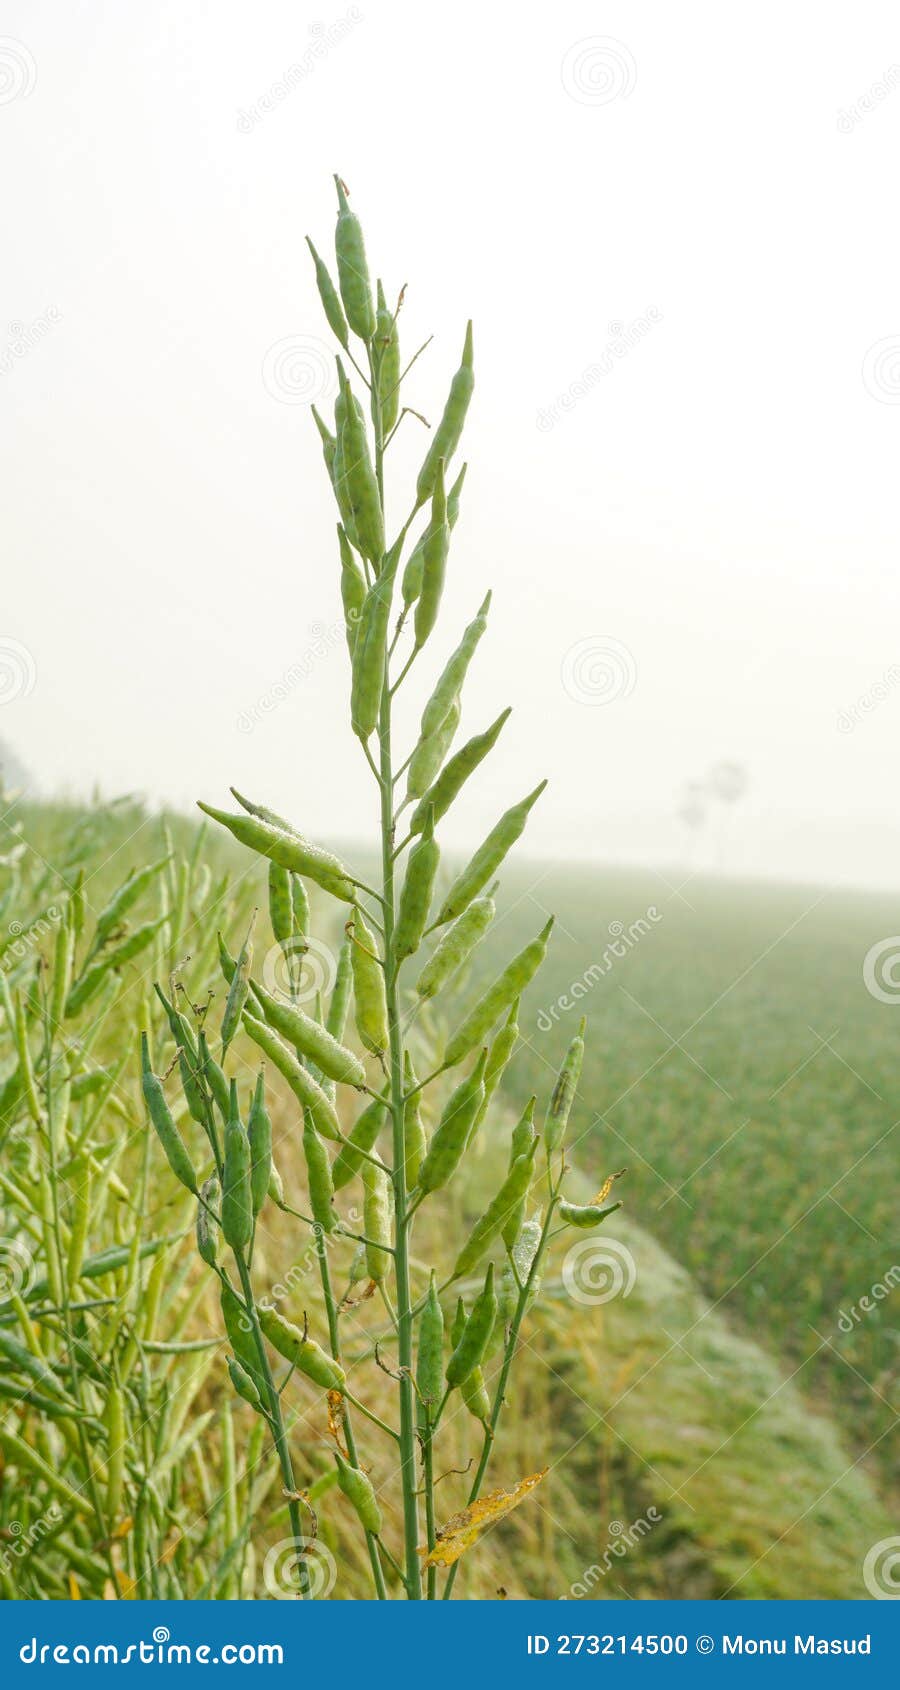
(525, 1250)
(564, 1091)
(522, 1143)
(207, 1231)
(585, 1214)
(115, 1443)
(239, 1331)
(453, 674)
(331, 305)
(430, 1358)
(353, 589)
(429, 753)
(369, 995)
(451, 780)
(499, 1212)
(214, 1077)
(411, 585)
(386, 394)
(474, 1393)
(434, 562)
(238, 989)
(414, 1140)
(281, 914)
(415, 898)
(166, 1131)
(359, 478)
(329, 443)
(306, 1090)
(377, 1213)
(452, 1131)
(300, 907)
(61, 979)
(456, 946)
(125, 898)
(312, 1040)
(358, 1488)
(81, 1214)
(259, 1134)
(227, 962)
(181, 1032)
(359, 1142)
(502, 1047)
(370, 651)
(303, 1353)
(473, 1342)
(89, 983)
(336, 1019)
(276, 1187)
(288, 849)
(339, 480)
(353, 270)
(237, 1209)
(446, 436)
(488, 857)
(508, 985)
(358, 1270)
(244, 1385)
(318, 1174)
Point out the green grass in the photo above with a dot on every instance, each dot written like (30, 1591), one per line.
(738, 1065)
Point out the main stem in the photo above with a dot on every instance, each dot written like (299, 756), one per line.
(413, 1576)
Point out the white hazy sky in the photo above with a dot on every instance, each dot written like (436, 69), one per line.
(718, 510)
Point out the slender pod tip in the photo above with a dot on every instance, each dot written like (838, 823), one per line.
(486, 602)
(467, 356)
(341, 193)
(581, 1026)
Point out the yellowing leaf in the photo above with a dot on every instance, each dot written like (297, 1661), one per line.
(74, 1592)
(465, 1528)
(606, 1188)
(124, 1527)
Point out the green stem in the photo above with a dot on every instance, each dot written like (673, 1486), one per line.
(274, 1414)
(413, 1577)
(334, 1339)
(430, 1529)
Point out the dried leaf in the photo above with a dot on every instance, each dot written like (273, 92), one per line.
(336, 1419)
(465, 1528)
(606, 1188)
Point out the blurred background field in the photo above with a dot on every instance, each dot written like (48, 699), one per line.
(714, 1410)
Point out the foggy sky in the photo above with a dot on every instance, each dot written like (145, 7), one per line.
(676, 239)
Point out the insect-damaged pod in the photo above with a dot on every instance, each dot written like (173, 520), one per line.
(311, 1040)
(360, 1141)
(377, 1220)
(453, 777)
(503, 1210)
(369, 995)
(307, 1091)
(160, 1115)
(456, 946)
(318, 1175)
(452, 1131)
(259, 1133)
(357, 1487)
(434, 562)
(237, 1208)
(303, 1353)
(487, 859)
(411, 585)
(506, 988)
(331, 304)
(288, 849)
(430, 1358)
(353, 269)
(475, 1337)
(447, 435)
(418, 886)
(564, 1091)
(386, 361)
